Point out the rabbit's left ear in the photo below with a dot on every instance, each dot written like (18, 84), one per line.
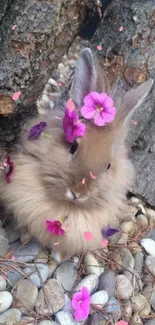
(84, 78)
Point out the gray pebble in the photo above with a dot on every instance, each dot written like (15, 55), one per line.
(5, 301)
(10, 317)
(123, 258)
(142, 221)
(26, 295)
(127, 310)
(26, 319)
(90, 282)
(124, 287)
(96, 319)
(150, 322)
(3, 242)
(42, 258)
(135, 278)
(99, 298)
(152, 299)
(65, 318)
(52, 265)
(66, 275)
(37, 277)
(47, 322)
(68, 305)
(113, 308)
(14, 276)
(151, 234)
(2, 283)
(107, 282)
(28, 252)
(140, 304)
(92, 265)
(12, 232)
(150, 264)
(139, 260)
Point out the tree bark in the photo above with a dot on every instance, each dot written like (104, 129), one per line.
(130, 55)
(34, 35)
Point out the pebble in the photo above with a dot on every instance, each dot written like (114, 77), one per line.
(124, 287)
(123, 258)
(90, 282)
(54, 300)
(134, 247)
(12, 231)
(14, 276)
(42, 258)
(96, 319)
(147, 291)
(28, 320)
(28, 252)
(2, 283)
(123, 239)
(65, 318)
(142, 221)
(149, 246)
(66, 275)
(150, 264)
(68, 305)
(3, 242)
(151, 234)
(107, 282)
(150, 322)
(37, 277)
(136, 320)
(10, 317)
(141, 305)
(135, 200)
(129, 227)
(47, 322)
(152, 299)
(5, 301)
(139, 261)
(113, 308)
(91, 265)
(134, 278)
(52, 265)
(26, 296)
(127, 310)
(99, 298)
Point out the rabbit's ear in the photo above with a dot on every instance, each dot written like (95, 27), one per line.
(132, 99)
(84, 78)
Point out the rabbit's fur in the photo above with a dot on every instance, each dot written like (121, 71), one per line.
(46, 173)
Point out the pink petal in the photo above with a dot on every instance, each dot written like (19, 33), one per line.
(92, 176)
(134, 122)
(13, 258)
(80, 130)
(61, 232)
(108, 103)
(86, 295)
(83, 181)
(148, 169)
(107, 117)
(58, 118)
(88, 235)
(81, 314)
(88, 111)
(121, 28)
(99, 48)
(99, 120)
(56, 243)
(70, 104)
(76, 298)
(60, 84)
(122, 322)
(16, 95)
(105, 243)
(13, 27)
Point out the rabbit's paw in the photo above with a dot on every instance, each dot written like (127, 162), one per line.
(25, 236)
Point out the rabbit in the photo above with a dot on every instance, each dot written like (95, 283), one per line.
(48, 174)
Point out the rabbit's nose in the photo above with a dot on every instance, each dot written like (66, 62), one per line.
(72, 195)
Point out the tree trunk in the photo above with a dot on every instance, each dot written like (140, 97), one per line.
(34, 35)
(129, 53)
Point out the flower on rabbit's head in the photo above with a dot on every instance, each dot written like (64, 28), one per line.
(10, 164)
(55, 227)
(36, 130)
(99, 107)
(81, 304)
(73, 127)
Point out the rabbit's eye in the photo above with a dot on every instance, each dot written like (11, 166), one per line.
(73, 147)
(109, 165)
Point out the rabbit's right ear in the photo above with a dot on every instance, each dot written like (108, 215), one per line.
(84, 78)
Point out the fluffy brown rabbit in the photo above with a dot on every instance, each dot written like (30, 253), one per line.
(47, 178)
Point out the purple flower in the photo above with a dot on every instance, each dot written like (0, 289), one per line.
(55, 227)
(109, 232)
(99, 107)
(81, 304)
(72, 126)
(11, 168)
(36, 130)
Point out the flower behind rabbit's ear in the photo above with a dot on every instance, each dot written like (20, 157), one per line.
(132, 100)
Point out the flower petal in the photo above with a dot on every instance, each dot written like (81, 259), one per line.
(99, 120)
(81, 313)
(80, 129)
(107, 117)
(88, 111)
(88, 100)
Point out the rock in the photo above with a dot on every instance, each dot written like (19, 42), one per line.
(136, 320)
(142, 221)
(134, 278)
(52, 265)
(28, 252)
(107, 282)
(134, 247)
(42, 258)
(149, 322)
(3, 242)
(47, 322)
(54, 300)
(139, 260)
(2, 283)
(127, 310)
(96, 319)
(90, 282)
(147, 291)
(92, 265)
(14, 276)
(66, 275)
(141, 305)
(135, 200)
(10, 317)
(27, 320)
(12, 231)
(65, 318)
(129, 227)
(123, 239)
(37, 273)
(152, 299)
(123, 258)
(26, 296)
(68, 305)
(113, 308)
(5, 301)
(99, 298)
(151, 234)
(149, 246)
(124, 287)
(75, 260)
(150, 264)
(14, 246)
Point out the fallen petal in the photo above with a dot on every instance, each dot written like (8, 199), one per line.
(16, 95)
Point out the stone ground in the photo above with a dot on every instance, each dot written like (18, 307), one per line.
(120, 277)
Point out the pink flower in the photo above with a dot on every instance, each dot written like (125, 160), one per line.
(81, 304)
(55, 227)
(99, 107)
(72, 126)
